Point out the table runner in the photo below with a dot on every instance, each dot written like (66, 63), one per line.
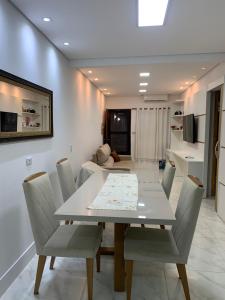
(119, 192)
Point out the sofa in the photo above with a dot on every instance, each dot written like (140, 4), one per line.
(103, 162)
(103, 157)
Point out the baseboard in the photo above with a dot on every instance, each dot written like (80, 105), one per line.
(11, 274)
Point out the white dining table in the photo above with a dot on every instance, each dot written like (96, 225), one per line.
(152, 208)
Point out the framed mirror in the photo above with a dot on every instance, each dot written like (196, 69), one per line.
(26, 110)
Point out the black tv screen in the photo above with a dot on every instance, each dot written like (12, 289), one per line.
(8, 122)
(189, 132)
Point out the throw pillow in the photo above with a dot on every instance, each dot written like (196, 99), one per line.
(115, 156)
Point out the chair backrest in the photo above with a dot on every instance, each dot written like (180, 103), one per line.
(87, 169)
(187, 214)
(66, 178)
(40, 203)
(168, 176)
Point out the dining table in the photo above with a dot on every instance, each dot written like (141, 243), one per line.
(153, 207)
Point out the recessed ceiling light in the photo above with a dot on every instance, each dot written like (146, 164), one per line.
(187, 82)
(89, 71)
(108, 93)
(181, 87)
(143, 83)
(46, 19)
(66, 44)
(104, 89)
(151, 12)
(96, 79)
(203, 68)
(144, 74)
(142, 91)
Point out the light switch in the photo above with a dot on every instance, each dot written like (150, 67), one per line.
(28, 161)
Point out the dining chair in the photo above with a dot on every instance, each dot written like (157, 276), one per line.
(167, 181)
(167, 246)
(168, 176)
(67, 182)
(53, 239)
(66, 178)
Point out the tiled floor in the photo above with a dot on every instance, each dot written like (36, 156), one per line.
(206, 270)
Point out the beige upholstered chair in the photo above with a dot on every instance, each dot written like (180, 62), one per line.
(168, 176)
(66, 178)
(67, 182)
(167, 246)
(52, 239)
(167, 181)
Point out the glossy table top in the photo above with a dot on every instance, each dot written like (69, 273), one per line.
(153, 206)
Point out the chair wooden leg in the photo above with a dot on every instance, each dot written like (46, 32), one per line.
(129, 273)
(52, 263)
(119, 263)
(178, 272)
(89, 266)
(98, 261)
(40, 269)
(101, 224)
(183, 276)
(162, 226)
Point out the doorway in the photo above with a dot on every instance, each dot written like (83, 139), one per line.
(213, 116)
(117, 130)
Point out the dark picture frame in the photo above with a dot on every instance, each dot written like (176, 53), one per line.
(39, 92)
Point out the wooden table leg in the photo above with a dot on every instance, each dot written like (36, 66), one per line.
(119, 264)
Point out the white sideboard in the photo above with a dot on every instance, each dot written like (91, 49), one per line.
(186, 163)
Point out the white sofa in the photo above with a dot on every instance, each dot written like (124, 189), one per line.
(103, 158)
(103, 162)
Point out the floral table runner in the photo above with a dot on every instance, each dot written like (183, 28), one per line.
(119, 192)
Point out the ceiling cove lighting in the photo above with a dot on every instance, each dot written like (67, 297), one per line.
(143, 84)
(144, 74)
(46, 19)
(66, 44)
(142, 91)
(151, 12)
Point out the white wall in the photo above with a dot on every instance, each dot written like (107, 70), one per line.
(195, 102)
(133, 102)
(78, 110)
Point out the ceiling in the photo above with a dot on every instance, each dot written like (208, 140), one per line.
(164, 78)
(107, 29)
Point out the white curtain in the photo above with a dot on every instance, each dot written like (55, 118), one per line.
(152, 133)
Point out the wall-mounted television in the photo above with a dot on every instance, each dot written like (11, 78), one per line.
(189, 132)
